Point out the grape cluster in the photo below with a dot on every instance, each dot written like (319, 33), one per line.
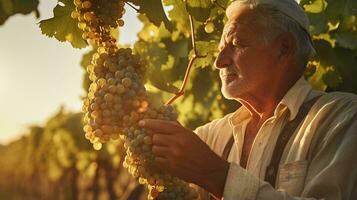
(96, 17)
(117, 100)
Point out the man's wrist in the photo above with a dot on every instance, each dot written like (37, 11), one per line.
(214, 181)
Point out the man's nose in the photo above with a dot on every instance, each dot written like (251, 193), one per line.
(223, 59)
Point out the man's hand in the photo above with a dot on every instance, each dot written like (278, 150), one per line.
(182, 153)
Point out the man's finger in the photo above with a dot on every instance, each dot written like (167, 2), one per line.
(161, 139)
(162, 163)
(160, 126)
(161, 151)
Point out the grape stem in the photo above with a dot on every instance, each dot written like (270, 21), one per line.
(190, 63)
(218, 4)
(129, 4)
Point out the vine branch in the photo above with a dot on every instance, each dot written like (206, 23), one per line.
(133, 7)
(218, 4)
(190, 63)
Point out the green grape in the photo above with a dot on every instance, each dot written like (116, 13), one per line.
(97, 146)
(209, 27)
(147, 140)
(77, 2)
(126, 82)
(75, 14)
(120, 22)
(89, 16)
(86, 4)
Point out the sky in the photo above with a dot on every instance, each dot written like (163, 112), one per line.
(39, 74)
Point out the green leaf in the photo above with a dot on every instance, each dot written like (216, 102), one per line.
(25, 6)
(310, 70)
(316, 79)
(178, 51)
(207, 49)
(318, 23)
(179, 15)
(154, 10)
(163, 32)
(345, 62)
(62, 26)
(199, 9)
(199, 3)
(7, 6)
(202, 83)
(161, 80)
(86, 60)
(349, 23)
(178, 48)
(324, 52)
(316, 6)
(154, 53)
(304, 2)
(332, 78)
(150, 32)
(156, 57)
(11, 7)
(337, 9)
(347, 39)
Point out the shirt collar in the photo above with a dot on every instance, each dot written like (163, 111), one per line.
(238, 116)
(292, 100)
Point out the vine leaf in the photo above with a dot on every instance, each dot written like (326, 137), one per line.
(337, 10)
(318, 23)
(332, 78)
(156, 56)
(316, 79)
(149, 30)
(62, 26)
(12, 7)
(316, 6)
(207, 49)
(85, 61)
(199, 9)
(347, 39)
(154, 10)
(163, 84)
(178, 14)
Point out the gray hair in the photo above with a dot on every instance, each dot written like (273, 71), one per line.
(276, 22)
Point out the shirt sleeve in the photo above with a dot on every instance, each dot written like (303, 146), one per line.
(332, 174)
(202, 131)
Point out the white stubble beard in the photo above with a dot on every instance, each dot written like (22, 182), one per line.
(230, 90)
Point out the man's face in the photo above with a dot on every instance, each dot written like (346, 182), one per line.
(245, 62)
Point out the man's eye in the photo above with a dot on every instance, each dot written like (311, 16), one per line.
(235, 42)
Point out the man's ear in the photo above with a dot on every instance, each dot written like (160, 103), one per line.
(287, 45)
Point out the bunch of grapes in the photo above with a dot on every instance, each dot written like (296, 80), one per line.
(96, 17)
(117, 100)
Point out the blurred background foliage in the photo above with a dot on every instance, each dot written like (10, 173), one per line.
(56, 162)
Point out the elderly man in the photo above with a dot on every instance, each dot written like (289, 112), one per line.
(286, 141)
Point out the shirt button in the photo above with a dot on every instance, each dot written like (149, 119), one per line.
(284, 137)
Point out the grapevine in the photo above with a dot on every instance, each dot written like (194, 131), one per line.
(190, 63)
(117, 99)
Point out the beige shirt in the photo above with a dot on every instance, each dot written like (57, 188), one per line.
(319, 161)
